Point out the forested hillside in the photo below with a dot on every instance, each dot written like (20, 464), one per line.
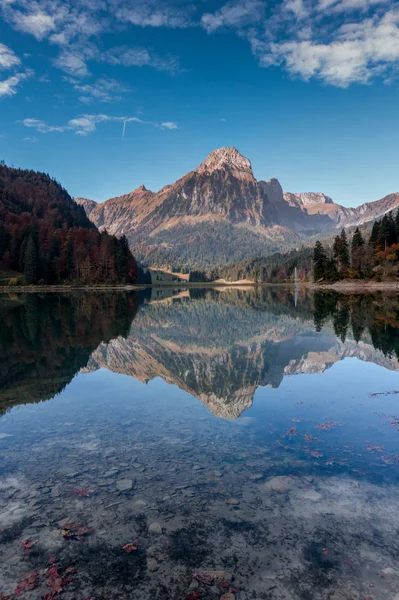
(369, 252)
(48, 238)
(275, 268)
(373, 257)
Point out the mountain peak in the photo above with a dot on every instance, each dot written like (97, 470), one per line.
(141, 188)
(227, 158)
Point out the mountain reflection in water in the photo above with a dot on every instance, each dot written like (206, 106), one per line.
(219, 346)
(162, 449)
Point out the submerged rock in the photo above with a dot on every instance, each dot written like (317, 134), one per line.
(390, 571)
(281, 483)
(344, 594)
(124, 485)
(312, 495)
(256, 476)
(68, 472)
(152, 564)
(155, 528)
(212, 577)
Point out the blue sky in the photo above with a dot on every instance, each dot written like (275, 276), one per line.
(107, 94)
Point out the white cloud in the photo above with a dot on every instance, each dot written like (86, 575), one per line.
(140, 57)
(340, 42)
(297, 7)
(72, 63)
(87, 123)
(41, 126)
(32, 140)
(152, 13)
(60, 21)
(75, 27)
(8, 87)
(8, 58)
(103, 89)
(39, 24)
(237, 14)
(335, 6)
(355, 53)
(169, 125)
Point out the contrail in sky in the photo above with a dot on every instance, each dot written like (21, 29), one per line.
(123, 130)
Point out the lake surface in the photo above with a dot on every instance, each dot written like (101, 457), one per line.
(199, 444)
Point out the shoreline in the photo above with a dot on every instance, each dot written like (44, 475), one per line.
(5, 289)
(357, 286)
(339, 286)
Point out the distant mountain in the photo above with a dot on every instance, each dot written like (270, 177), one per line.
(46, 237)
(219, 213)
(313, 203)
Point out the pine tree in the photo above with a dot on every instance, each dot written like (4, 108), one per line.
(357, 250)
(319, 261)
(331, 271)
(344, 260)
(374, 234)
(337, 249)
(357, 240)
(386, 233)
(30, 262)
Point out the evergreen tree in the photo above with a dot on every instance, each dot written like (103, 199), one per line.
(344, 260)
(357, 250)
(357, 240)
(30, 262)
(331, 271)
(337, 249)
(319, 261)
(387, 232)
(374, 234)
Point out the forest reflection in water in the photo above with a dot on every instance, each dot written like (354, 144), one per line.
(177, 457)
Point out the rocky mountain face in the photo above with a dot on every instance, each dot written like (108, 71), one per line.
(219, 213)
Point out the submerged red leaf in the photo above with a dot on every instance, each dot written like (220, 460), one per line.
(29, 582)
(131, 547)
(84, 492)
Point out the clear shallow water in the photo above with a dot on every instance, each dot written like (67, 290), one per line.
(233, 438)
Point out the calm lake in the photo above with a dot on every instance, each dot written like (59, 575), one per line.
(199, 444)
